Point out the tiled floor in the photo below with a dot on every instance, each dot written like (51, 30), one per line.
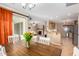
(67, 47)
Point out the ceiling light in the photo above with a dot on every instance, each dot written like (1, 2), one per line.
(56, 16)
(23, 5)
(66, 29)
(31, 6)
(64, 4)
(28, 5)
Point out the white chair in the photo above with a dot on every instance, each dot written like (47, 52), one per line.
(75, 51)
(21, 37)
(16, 38)
(44, 40)
(2, 51)
(10, 39)
(13, 38)
(35, 38)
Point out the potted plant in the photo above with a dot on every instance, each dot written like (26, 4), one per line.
(28, 37)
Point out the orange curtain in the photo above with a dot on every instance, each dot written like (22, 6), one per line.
(5, 25)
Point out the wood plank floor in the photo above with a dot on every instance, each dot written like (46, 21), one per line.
(36, 49)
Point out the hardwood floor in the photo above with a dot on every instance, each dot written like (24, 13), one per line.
(36, 49)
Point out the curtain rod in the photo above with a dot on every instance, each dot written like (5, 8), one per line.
(20, 14)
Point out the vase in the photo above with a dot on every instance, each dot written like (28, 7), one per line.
(28, 44)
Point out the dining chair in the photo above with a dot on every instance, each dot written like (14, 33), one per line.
(2, 51)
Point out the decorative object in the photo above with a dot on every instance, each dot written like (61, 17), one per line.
(28, 37)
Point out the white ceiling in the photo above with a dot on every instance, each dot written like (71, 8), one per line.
(46, 11)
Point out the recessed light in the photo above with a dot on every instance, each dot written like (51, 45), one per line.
(23, 4)
(65, 4)
(56, 16)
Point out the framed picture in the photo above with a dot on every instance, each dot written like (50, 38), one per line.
(51, 25)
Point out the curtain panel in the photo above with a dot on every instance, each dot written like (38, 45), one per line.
(5, 25)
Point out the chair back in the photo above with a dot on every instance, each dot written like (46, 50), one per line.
(2, 51)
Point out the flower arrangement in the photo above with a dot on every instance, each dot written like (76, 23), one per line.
(27, 36)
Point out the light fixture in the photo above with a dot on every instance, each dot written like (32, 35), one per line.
(23, 5)
(28, 5)
(66, 29)
(56, 16)
(31, 6)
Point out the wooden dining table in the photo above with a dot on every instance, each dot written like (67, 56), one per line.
(36, 49)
